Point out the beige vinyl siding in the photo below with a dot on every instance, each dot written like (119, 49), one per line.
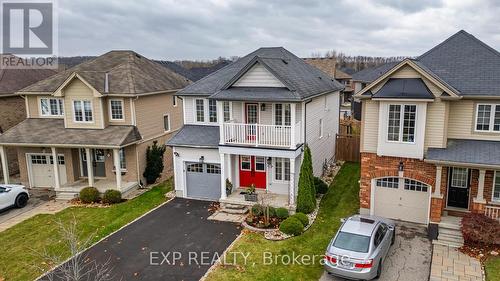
(462, 119)
(436, 124)
(149, 114)
(258, 76)
(77, 90)
(369, 126)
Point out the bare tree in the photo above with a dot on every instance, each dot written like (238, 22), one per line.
(80, 267)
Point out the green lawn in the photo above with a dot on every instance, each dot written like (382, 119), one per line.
(18, 244)
(341, 201)
(492, 267)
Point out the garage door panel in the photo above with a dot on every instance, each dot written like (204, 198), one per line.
(203, 181)
(42, 170)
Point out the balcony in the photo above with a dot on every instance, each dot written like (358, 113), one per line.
(261, 135)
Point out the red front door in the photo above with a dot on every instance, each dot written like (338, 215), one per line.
(252, 171)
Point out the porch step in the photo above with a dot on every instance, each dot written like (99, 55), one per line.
(234, 208)
(448, 244)
(66, 196)
(450, 233)
(449, 226)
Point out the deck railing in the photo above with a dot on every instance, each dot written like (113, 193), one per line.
(492, 212)
(260, 135)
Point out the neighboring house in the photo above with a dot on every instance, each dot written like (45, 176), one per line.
(96, 119)
(12, 104)
(329, 66)
(430, 143)
(248, 123)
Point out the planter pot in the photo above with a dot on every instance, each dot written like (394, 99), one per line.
(251, 197)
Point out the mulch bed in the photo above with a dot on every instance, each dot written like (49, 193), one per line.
(258, 222)
(480, 251)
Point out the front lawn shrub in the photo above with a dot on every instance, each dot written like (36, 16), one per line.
(306, 197)
(478, 228)
(310, 172)
(89, 195)
(292, 226)
(302, 218)
(112, 196)
(154, 162)
(257, 210)
(321, 186)
(282, 213)
(272, 212)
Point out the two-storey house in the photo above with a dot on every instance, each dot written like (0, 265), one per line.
(91, 124)
(430, 142)
(247, 123)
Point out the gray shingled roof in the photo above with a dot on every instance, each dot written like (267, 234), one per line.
(302, 79)
(52, 132)
(371, 74)
(467, 151)
(256, 94)
(196, 136)
(406, 88)
(129, 74)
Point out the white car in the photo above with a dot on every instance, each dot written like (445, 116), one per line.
(13, 195)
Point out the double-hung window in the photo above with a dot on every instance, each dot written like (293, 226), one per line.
(200, 110)
(82, 110)
(123, 161)
(402, 123)
(51, 107)
(166, 122)
(212, 111)
(282, 169)
(496, 188)
(227, 111)
(116, 109)
(488, 118)
(282, 114)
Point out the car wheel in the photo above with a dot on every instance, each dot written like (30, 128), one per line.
(379, 270)
(21, 200)
(393, 239)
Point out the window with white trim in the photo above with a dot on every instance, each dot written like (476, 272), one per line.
(213, 169)
(227, 111)
(51, 107)
(246, 164)
(282, 169)
(260, 164)
(200, 110)
(116, 108)
(402, 123)
(282, 114)
(82, 111)
(195, 168)
(123, 160)
(321, 128)
(60, 159)
(38, 159)
(496, 187)
(488, 118)
(174, 100)
(212, 111)
(415, 185)
(390, 182)
(459, 177)
(166, 122)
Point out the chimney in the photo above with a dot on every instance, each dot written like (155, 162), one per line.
(106, 82)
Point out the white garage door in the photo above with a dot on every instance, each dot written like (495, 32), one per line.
(401, 198)
(42, 170)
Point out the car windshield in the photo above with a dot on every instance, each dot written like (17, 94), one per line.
(352, 242)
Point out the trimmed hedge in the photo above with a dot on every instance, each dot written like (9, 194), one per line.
(292, 226)
(89, 195)
(321, 186)
(112, 196)
(302, 218)
(282, 213)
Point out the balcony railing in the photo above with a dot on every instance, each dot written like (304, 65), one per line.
(261, 135)
(492, 212)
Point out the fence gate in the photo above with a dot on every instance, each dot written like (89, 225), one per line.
(347, 148)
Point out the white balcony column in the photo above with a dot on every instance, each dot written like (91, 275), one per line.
(437, 188)
(220, 119)
(118, 170)
(223, 172)
(480, 188)
(292, 124)
(57, 180)
(90, 169)
(5, 165)
(291, 192)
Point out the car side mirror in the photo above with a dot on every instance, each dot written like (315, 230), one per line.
(7, 189)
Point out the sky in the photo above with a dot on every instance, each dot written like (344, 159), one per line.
(208, 29)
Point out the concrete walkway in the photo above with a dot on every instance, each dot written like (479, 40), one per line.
(15, 216)
(449, 264)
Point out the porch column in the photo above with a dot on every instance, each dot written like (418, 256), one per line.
(118, 170)
(57, 180)
(437, 188)
(292, 122)
(480, 188)
(223, 172)
(291, 192)
(5, 165)
(90, 170)
(220, 118)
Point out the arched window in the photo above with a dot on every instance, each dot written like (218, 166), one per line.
(406, 183)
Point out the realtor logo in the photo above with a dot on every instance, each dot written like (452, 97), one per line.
(29, 29)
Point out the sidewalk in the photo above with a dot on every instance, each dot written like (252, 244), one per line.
(49, 207)
(449, 264)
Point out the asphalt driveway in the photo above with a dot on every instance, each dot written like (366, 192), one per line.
(408, 259)
(174, 242)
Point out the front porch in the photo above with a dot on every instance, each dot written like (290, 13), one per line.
(237, 197)
(69, 191)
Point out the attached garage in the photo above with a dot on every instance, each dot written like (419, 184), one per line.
(41, 169)
(401, 198)
(203, 180)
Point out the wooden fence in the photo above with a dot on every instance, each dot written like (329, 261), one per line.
(347, 148)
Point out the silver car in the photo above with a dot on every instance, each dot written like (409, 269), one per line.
(359, 248)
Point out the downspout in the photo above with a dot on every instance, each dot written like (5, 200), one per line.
(305, 120)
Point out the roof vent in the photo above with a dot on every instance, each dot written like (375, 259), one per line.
(106, 82)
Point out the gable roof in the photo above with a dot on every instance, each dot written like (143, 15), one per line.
(12, 80)
(128, 74)
(404, 88)
(301, 79)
